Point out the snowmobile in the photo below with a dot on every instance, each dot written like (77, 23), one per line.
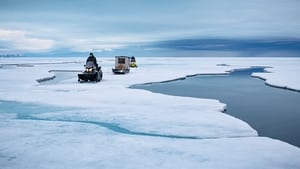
(121, 65)
(91, 73)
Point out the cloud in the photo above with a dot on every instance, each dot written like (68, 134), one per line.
(20, 41)
(244, 47)
(101, 43)
(109, 25)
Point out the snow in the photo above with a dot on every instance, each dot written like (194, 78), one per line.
(153, 130)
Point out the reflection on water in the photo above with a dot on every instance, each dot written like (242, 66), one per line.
(271, 111)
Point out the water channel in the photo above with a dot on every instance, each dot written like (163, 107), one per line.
(273, 112)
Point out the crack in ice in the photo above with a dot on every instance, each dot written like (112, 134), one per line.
(118, 129)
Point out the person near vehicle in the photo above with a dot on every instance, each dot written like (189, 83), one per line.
(93, 59)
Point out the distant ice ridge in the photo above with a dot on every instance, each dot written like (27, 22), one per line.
(66, 139)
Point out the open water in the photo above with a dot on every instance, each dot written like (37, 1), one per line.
(273, 112)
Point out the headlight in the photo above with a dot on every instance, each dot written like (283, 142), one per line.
(88, 69)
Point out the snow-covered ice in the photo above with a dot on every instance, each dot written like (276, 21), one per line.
(163, 131)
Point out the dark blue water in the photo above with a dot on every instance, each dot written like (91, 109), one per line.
(273, 112)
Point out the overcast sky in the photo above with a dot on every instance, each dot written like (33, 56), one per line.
(107, 25)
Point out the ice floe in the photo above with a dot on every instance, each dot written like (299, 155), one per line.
(77, 137)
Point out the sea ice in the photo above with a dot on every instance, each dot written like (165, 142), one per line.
(65, 139)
